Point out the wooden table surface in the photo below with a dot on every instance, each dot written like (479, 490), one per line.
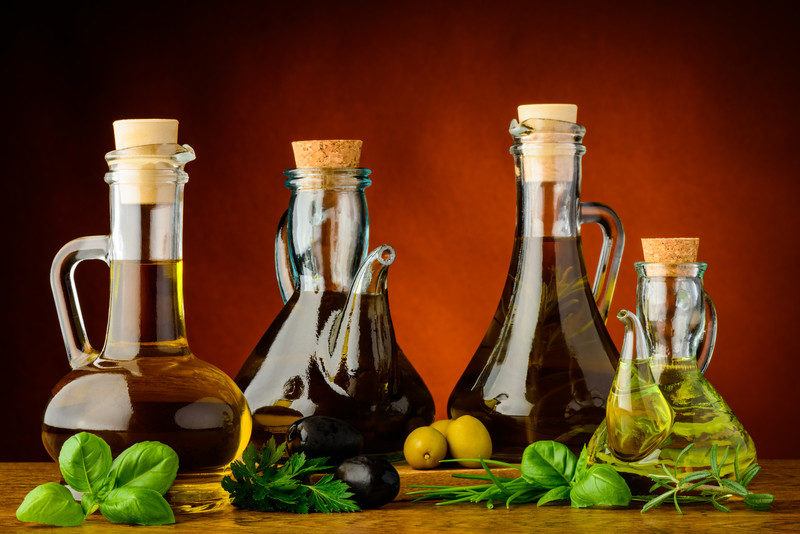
(779, 477)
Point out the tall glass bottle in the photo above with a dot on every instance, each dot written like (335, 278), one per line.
(545, 365)
(332, 349)
(145, 383)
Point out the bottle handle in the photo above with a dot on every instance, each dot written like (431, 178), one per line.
(706, 350)
(62, 281)
(284, 270)
(605, 279)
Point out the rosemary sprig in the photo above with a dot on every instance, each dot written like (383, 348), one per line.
(706, 486)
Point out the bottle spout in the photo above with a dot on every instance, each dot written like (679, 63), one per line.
(370, 279)
(343, 346)
(371, 276)
(634, 342)
(638, 416)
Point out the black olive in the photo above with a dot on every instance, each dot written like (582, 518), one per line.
(373, 481)
(319, 436)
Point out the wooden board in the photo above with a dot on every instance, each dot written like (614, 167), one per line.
(780, 477)
(441, 477)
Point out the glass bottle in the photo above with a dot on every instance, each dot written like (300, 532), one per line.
(545, 365)
(145, 383)
(332, 348)
(672, 307)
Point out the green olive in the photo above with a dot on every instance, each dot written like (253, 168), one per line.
(441, 425)
(424, 448)
(468, 438)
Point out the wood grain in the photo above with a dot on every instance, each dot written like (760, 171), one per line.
(780, 477)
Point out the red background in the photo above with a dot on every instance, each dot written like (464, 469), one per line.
(691, 113)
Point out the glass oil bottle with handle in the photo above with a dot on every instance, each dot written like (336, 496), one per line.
(332, 349)
(677, 323)
(145, 384)
(545, 365)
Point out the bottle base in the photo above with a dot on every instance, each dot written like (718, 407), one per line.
(198, 493)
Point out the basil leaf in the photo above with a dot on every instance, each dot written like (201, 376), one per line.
(580, 467)
(600, 486)
(147, 464)
(84, 461)
(547, 464)
(137, 506)
(50, 504)
(89, 504)
(560, 493)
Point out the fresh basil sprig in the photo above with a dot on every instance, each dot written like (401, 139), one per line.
(550, 473)
(128, 490)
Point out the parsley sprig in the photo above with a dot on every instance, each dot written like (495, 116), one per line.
(259, 483)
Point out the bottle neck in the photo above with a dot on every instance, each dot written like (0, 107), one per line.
(547, 208)
(547, 159)
(146, 316)
(328, 226)
(670, 305)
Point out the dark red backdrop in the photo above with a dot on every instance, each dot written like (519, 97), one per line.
(691, 113)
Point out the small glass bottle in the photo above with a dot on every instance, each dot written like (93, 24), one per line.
(145, 384)
(677, 322)
(332, 349)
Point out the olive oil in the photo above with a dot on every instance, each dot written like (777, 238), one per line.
(293, 373)
(701, 418)
(545, 366)
(638, 415)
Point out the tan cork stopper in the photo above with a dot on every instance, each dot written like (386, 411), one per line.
(670, 250)
(137, 132)
(327, 154)
(559, 112)
(129, 133)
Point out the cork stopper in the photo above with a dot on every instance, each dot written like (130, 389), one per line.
(327, 154)
(130, 133)
(673, 250)
(558, 112)
(137, 132)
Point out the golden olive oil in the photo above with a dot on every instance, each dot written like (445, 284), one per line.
(637, 414)
(701, 418)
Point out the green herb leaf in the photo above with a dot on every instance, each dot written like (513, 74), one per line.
(556, 494)
(719, 506)
(258, 483)
(681, 454)
(148, 464)
(734, 487)
(580, 467)
(89, 504)
(600, 486)
(547, 464)
(331, 495)
(714, 464)
(85, 461)
(749, 474)
(759, 501)
(137, 506)
(657, 501)
(50, 504)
